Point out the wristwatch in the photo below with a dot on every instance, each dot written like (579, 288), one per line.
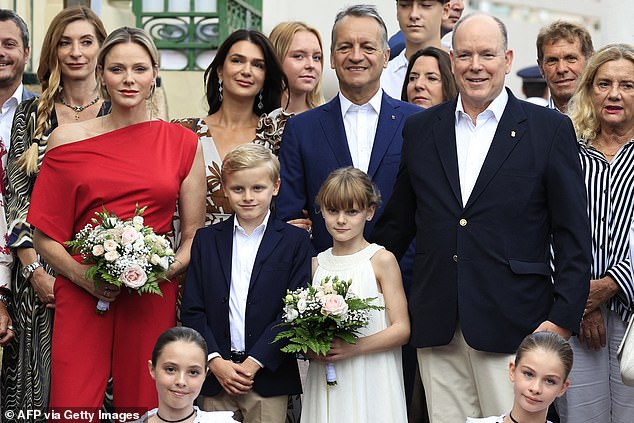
(28, 270)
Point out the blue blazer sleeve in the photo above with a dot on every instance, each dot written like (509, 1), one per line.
(193, 309)
(264, 350)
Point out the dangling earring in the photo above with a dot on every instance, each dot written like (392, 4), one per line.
(152, 89)
(260, 104)
(220, 89)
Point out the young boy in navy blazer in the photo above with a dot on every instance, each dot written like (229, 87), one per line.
(239, 272)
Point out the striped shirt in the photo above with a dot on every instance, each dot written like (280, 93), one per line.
(610, 188)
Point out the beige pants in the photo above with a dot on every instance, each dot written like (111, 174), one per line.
(251, 407)
(461, 382)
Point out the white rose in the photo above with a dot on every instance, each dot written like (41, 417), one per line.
(301, 305)
(110, 245)
(137, 220)
(165, 263)
(155, 259)
(111, 255)
(138, 244)
(98, 250)
(291, 314)
(303, 294)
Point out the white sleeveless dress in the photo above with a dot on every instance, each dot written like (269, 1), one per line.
(369, 387)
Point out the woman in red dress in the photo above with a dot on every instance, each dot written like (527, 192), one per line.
(115, 161)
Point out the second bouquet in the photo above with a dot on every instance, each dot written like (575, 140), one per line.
(315, 315)
(124, 253)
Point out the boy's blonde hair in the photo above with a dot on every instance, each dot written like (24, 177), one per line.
(347, 188)
(249, 156)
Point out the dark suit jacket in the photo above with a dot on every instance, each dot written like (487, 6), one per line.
(314, 144)
(282, 262)
(486, 265)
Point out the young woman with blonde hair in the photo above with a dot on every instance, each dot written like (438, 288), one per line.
(299, 49)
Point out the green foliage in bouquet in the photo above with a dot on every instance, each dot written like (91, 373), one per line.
(315, 315)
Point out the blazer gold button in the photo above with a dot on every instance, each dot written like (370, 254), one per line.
(455, 258)
(463, 222)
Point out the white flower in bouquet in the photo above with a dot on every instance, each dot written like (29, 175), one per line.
(301, 305)
(155, 259)
(111, 255)
(165, 262)
(110, 245)
(98, 250)
(290, 314)
(138, 220)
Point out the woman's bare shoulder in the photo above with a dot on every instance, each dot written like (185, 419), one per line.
(73, 132)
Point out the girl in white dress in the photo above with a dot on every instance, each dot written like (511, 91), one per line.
(178, 366)
(539, 375)
(369, 374)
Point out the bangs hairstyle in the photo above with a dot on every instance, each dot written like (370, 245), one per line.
(121, 36)
(581, 110)
(50, 76)
(175, 334)
(347, 188)
(549, 342)
(281, 38)
(249, 156)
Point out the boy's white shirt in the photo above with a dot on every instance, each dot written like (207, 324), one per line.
(244, 250)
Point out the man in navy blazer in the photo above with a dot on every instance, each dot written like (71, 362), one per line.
(487, 184)
(360, 127)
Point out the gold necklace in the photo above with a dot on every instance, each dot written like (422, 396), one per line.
(78, 109)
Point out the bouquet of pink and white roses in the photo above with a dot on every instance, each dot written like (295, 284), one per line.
(123, 253)
(316, 315)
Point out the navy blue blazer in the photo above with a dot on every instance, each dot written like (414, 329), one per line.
(282, 262)
(314, 144)
(486, 265)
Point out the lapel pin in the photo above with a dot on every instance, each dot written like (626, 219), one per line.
(512, 134)
(393, 117)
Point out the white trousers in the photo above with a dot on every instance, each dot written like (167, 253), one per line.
(462, 382)
(596, 393)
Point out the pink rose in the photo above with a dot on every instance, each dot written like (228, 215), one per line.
(133, 277)
(334, 305)
(128, 235)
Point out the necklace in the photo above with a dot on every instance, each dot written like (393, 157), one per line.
(515, 421)
(176, 421)
(78, 109)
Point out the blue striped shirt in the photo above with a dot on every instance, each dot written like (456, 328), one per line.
(610, 188)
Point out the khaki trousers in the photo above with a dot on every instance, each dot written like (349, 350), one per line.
(250, 407)
(462, 382)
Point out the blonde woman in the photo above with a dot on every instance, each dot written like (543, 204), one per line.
(117, 161)
(69, 94)
(602, 113)
(299, 49)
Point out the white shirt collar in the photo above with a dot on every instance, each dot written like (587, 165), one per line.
(496, 107)
(236, 224)
(400, 61)
(17, 94)
(375, 102)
